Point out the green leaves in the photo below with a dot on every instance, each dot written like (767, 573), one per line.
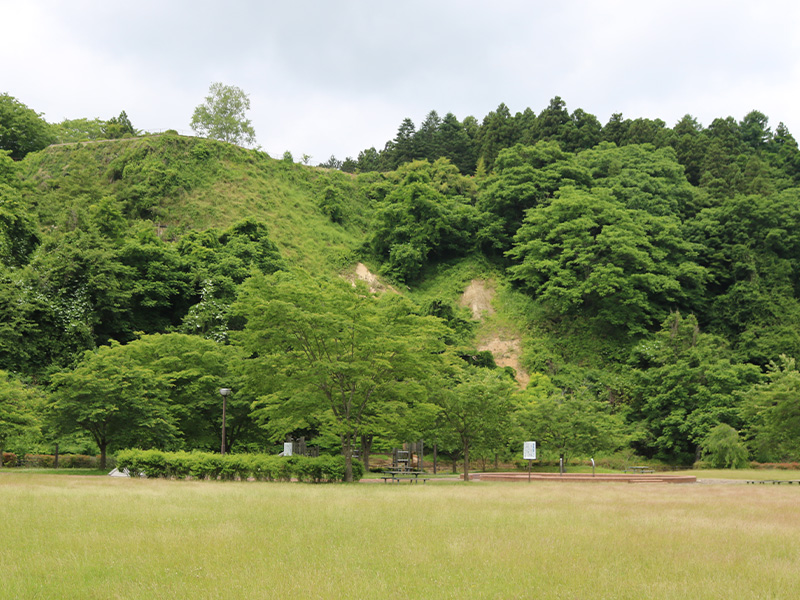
(326, 352)
(22, 130)
(118, 402)
(583, 251)
(222, 115)
(423, 217)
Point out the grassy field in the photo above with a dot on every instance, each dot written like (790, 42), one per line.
(98, 538)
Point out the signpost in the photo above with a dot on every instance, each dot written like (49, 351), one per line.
(529, 454)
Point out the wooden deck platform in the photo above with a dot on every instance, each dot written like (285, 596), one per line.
(600, 477)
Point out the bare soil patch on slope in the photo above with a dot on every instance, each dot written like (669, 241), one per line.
(505, 346)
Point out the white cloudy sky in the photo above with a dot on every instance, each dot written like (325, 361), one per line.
(336, 77)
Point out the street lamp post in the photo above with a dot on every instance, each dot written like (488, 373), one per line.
(224, 392)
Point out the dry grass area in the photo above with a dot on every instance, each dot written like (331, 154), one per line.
(91, 538)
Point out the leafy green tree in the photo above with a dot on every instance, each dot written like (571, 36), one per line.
(18, 408)
(159, 283)
(196, 369)
(771, 411)
(423, 217)
(223, 115)
(477, 408)
(322, 347)
(570, 423)
(585, 252)
(646, 131)
(616, 130)
(22, 130)
(641, 177)
(524, 177)
(114, 399)
(79, 130)
(686, 383)
(117, 127)
(723, 449)
(750, 247)
(368, 160)
(754, 130)
(19, 234)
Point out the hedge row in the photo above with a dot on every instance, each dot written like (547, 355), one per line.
(260, 467)
(47, 461)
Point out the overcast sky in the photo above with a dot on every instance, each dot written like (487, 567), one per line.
(336, 77)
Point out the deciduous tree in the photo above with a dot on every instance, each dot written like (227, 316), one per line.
(116, 400)
(327, 347)
(223, 115)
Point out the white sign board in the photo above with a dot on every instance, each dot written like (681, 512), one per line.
(287, 448)
(529, 450)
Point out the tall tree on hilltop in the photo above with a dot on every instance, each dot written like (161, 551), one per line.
(222, 115)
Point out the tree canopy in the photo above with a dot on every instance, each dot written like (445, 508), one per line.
(222, 116)
(330, 351)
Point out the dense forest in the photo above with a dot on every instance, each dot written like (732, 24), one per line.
(649, 276)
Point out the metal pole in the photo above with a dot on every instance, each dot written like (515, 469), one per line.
(224, 392)
(224, 407)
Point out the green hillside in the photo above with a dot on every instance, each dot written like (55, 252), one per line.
(181, 184)
(636, 290)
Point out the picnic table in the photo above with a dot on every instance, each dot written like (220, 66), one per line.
(775, 481)
(640, 470)
(404, 475)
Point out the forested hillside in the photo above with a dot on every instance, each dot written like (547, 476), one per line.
(646, 276)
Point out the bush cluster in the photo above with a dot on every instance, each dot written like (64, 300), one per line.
(65, 461)
(787, 466)
(47, 461)
(230, 467)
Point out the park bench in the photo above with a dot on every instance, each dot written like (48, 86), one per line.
(639, 470)
(774, 481)
(398, 476)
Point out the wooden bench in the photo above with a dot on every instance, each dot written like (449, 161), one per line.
(640, 470)
(774, 481)
(411, 477)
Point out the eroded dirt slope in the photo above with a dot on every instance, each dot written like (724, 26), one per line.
(505, 345)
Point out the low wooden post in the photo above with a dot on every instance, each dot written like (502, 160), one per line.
(55, 459)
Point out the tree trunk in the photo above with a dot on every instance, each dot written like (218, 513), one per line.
(466, 461)
(347, 451)
(366, 447)
(103, 447)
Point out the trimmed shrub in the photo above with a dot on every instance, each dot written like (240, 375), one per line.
(261, 467)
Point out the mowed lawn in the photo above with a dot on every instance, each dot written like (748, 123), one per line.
(65, 537)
